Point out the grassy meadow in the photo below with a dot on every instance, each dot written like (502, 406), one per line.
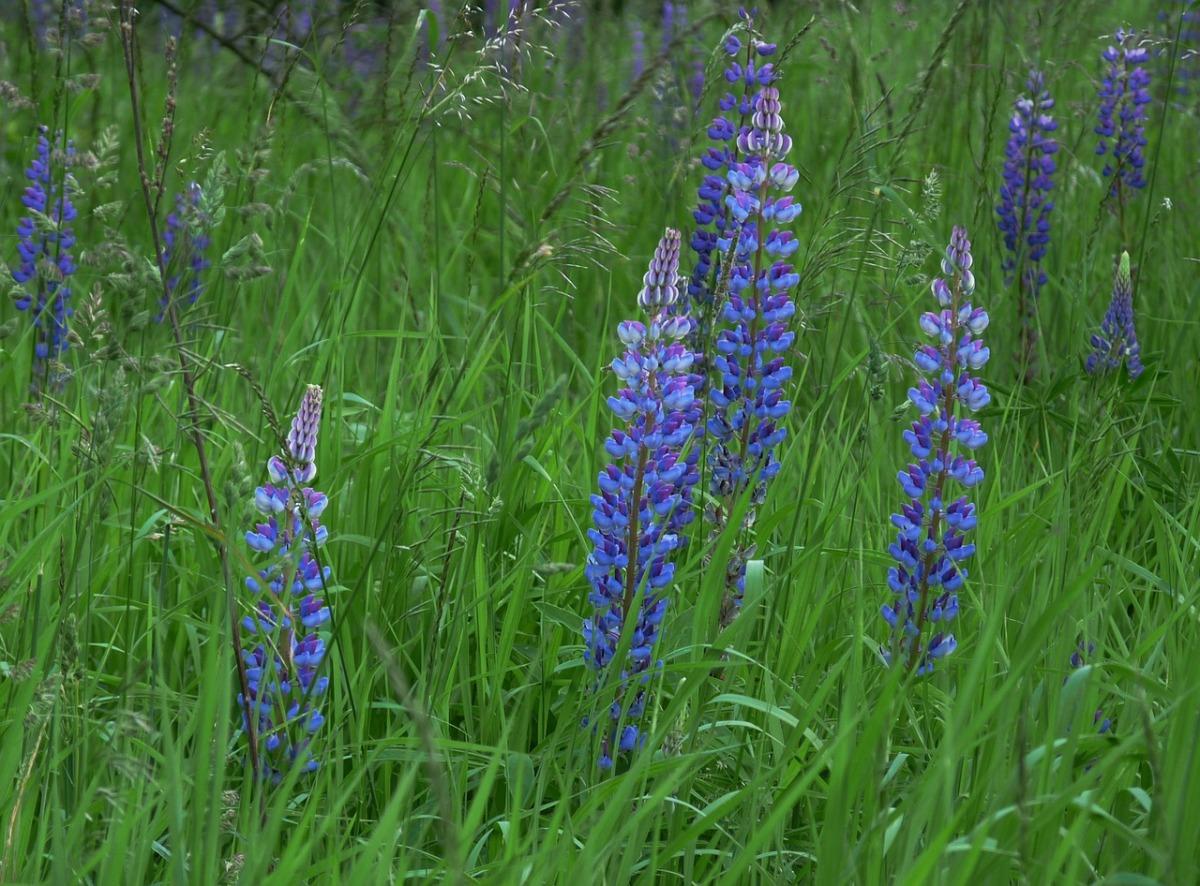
(443, 230)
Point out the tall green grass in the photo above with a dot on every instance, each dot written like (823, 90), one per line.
(449, 264)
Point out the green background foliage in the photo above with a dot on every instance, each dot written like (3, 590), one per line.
(447, 250)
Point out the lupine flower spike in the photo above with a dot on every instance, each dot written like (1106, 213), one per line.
(1124, 95)
(1025, 205)
(44, 244)
(746, 73)
(185, 241)
(931, 542)
(1079, 659)
(1117, 340)
(645, 499)
(285, 649)
(747, 402)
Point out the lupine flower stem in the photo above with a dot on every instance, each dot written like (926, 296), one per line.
(1124, 95)
(283, 668)
(1117, 340)
(746, 391)
(930, 545)
(645, 499)
(1025, 206)
(128, 49)
(45, 240)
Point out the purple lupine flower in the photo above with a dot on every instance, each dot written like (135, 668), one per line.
(185, 241)
(1078, 660)
(645, 498)
(45, 240)
(931, 542)
(1124, 95)
(1117, 340)
(746, 395)
(1025, 203)
(746, 73)
(674, 21)
(282, 634)
(638, 39)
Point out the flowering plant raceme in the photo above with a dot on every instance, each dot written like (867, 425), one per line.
(1124, 96)
(746, 73)
(185, 241)
(1117, 340)
(931, 542)
(1025, 203)
(45, 239)
(746, 398)
(645, 499)
(283, 661)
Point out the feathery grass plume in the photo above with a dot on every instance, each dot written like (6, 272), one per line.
(645, 499)
(283, 661)
(1124, 95)
(1025, 205)
(185, 241)
(45, 240)
(1117, 340)
(749, 368)
(931, 543)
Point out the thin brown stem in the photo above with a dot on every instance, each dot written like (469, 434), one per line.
(129, 49)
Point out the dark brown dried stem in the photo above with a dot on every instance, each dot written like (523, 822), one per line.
(129, 49)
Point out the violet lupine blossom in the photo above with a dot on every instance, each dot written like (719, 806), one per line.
(645, 499)
(285, 649)
(1078, 660)
(1117, 340)
(1025, 203)
(746, 399)
(45, 239)
(746, 73)
(673, 20)
(638, 43)
(931, 543)
(185, 241)
(1124, 95)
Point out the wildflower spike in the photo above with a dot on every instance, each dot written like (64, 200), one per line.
(1124, 96)
(1025, 204)
(284, 648)
(644, 501)
(1117, 340)
(45, 263)
(931, 544)
(746, 397)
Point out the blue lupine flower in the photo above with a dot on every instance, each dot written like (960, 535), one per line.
(746, 73)
(746, 398)
(674, 20)
(1117, 340)
(1124, 95)
(1078, 660)
(185, 241)
(285, 649)
(45, 240)
(639, 53)
(1025, 203)
(645, 497)
(931, 541)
